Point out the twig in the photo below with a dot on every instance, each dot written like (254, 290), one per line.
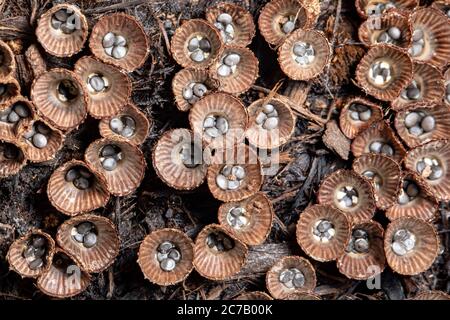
(111, 283)
(121, 5)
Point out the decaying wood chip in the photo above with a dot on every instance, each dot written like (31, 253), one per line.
(23, 72)
(335, 140)
(297, 91)
(35, 60)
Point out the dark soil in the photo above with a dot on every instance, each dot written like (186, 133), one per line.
(24, 203)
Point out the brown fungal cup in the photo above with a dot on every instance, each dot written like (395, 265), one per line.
(7, 61)
(427, 86)
(9, 89)
(364, 257)
(323, 232)
(432, 163)
(411, 245)
(292, 274)
(432, 295)
(32, 254)
(304, 54)
(119, 162)
(235, 69)
(235, 24)
(431, 43)
(414, 200)
(190, 85)
(447, 87)
(349, 192)
(165, 256)
(62, 30)
(39, 141)
(367, 8)
(392, 27)
(12, 157)
(249, 220)
(279, 18)
(384, 72)
(91, 240)
(271, 123)
(64, 278)
(119, 39)
(107, 86)
(12, 114)
(234, 173)
(442, 5)
(254, 295)
(60, 98)
(384, 174)
(303, 296)
(73, 189)
(178, 159)
(380, 139)
(196, 44)
(421, 123)
(218, 117)
(130, 124)
(217, 255)
(357, 115)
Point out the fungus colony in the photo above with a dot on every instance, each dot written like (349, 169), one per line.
(398, 169)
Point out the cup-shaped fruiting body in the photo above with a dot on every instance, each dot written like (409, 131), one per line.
(384, 72)
(121, 163)
(60, 98)
(384, 174)
(357, 115)
(165, 256)
(304, 54)
(292, 274)
(279, 18)
(253, 295)
(235, 24)
(235, 69)
(91, 240)
(119, 39)
(62, 30)
(432, 295)
(17, 110)
(178, 159)
(64, 278)
(73, 188)
(378, 138)
(190, 85)
(392, 27)
(350, 193)
(131, 124)
(32, 254)
(364, 256)
(39, 140)
(323, 232)
(107, 86)
(196, 44)
(35, 60)
(271, 123)
(432, 163)
(9, 89)
(443, 6)
(7, 61)
(234, 172)
(410, 245)
(422, 123)
(447, 87)
(303, 296)
(427, 86)
(414, 200)
(12, 157)
(249, 220)
(217, 255)
(368, 8)
(219, 117)
(431, 43)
